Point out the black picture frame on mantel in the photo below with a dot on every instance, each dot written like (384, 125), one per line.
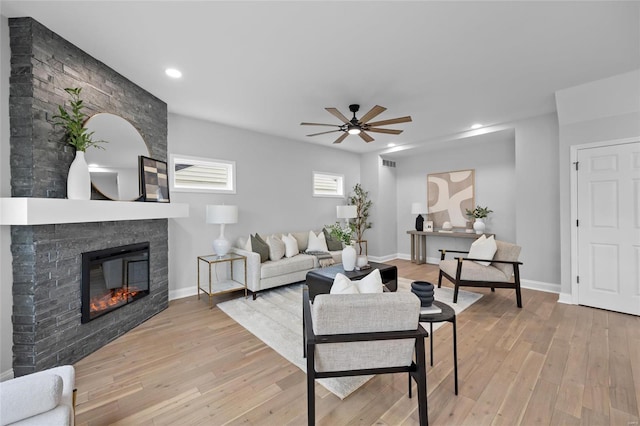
(154, 180)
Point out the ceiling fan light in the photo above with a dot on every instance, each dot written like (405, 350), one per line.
(353, 130)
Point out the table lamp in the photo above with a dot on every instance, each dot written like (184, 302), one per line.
(221, 215)
(419, 209)
(346, 213)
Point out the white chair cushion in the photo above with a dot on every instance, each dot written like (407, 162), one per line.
(343, 285)
(317, 242)
(483, 248)
(472, 271)
(29, 395)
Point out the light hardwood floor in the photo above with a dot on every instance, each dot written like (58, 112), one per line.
(546, 363)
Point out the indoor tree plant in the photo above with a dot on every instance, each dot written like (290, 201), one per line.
(360, 224)
(479, 214)
(79, 137)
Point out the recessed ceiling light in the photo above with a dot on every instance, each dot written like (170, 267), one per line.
(391, 145)
(173, 73)
(476, 126)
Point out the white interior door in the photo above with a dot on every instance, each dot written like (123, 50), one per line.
(609, 227)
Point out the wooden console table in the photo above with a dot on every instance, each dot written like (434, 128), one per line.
(419, 242)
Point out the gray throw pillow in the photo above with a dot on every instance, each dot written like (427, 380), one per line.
(258, 245)
(333, 244)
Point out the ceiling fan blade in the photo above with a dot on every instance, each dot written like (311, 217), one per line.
(366, 137)
(324, 133)
(376, 110)
(341, 138)
(338, 114)
(392, 121)
(379, 130)
(319, 124)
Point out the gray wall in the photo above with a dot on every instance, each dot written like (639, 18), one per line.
(273, 191)
(493, 160)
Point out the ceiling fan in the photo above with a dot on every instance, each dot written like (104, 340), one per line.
(360, 126)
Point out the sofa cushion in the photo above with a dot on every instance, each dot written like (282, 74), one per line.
(333, 244)
(303, 240)
(287, 265)
(290, 245)
(258, 245)
(483, 248)
(317, 242)
(276, 247)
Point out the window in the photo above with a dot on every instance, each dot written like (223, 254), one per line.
(193, 174)
(328, 185)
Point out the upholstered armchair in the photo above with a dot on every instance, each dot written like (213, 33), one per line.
(42, 398)
(501, 271)
(363, 334)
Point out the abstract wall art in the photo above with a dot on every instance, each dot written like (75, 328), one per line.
(449, 194)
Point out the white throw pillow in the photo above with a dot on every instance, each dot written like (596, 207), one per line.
(317, 242)
(483, 248)
(247, 246)
(290, 245)
(372, 283)
(343, 285)
(276, 247)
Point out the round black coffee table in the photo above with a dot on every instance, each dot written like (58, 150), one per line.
(447, 315)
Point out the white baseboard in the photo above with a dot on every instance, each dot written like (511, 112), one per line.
(566, 298)
(6, 375)
(182, 292)
(540, 286)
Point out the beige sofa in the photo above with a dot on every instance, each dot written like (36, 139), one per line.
(287, 270)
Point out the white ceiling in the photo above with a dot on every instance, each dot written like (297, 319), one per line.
(267, 66)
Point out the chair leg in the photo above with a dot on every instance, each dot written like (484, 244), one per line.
(311, 392)
(493, 289)
(420, 376)
(455, 293)
(440, 280)
(409, 376)
(518, 296)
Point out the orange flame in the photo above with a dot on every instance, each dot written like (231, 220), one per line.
(116, 297)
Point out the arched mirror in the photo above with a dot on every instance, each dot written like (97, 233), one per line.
(114, 169)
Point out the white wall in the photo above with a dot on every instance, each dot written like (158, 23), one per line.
(599, 111)
(493, 160)
(6, 276)
(274, 190)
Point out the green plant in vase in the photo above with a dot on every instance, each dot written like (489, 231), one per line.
(341, 233)
(79, 137)
(479, 214)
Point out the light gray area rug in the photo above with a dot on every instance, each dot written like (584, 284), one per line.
(275, 317)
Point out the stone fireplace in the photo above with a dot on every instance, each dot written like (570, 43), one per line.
(47, 259)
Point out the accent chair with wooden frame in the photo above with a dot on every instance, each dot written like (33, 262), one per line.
(503, 272)
(363, 334)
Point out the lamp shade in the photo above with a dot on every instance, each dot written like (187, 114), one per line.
(222, 214)
(418, 208)
(346, 212)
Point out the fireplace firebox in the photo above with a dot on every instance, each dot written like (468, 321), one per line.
(112, 278)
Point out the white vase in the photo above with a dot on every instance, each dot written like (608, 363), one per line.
(349, 258)
(361, 261)
(479, 226)
(79, 180)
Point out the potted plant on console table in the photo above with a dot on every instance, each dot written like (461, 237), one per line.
(79, 137)
(480, 214)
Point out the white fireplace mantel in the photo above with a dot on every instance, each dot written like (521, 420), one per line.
(44, 211)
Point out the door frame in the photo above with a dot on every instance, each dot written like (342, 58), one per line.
(575, 288)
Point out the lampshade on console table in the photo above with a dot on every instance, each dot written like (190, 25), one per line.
(222, 215)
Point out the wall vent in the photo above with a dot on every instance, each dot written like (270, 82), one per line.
(388, 163)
